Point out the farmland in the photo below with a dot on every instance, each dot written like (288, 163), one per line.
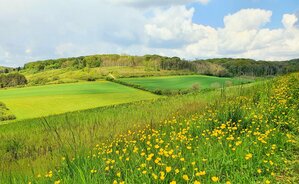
(149, 92)
(31, 102)
(137, 124)
(58, 76)
(183, 82)
(245, 139)
(240, 135)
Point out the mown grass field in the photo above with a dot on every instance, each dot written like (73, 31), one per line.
(31, 102)
(182, 82)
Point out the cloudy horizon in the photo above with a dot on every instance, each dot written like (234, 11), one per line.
(35, 30)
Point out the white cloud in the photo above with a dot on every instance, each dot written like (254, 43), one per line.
(33, 29)
(289, 20)
(247, 19)
(175, 25)
(28, 51)
(243, 35)
(151, 3)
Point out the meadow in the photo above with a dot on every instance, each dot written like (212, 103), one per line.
(67, 75)
(248, 137)
(182, 82)
(232, 134)
(38, 101)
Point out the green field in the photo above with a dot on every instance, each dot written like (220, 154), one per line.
(31, 102)
(182, 82)
(65, 75)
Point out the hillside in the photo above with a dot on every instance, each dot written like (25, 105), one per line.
(4, 69)
(238, 135)
(94, 67)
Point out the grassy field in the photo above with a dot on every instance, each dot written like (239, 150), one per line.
(31, 102)
(182, 82)
(68, 75)
(240, 134)
(5, 113)
(247, 138)
(73, 132)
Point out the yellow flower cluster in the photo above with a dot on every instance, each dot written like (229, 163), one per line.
(238, 139)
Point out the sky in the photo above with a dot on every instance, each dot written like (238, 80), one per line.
(33, 30)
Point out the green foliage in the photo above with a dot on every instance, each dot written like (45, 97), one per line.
(12, 79)
(222, 67)
(8, 69)
(73, 63)
(4, 113)
(243, 135)
(249, 67)
(83, 129)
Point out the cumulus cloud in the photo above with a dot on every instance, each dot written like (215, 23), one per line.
(243, 35)
(289, 20)
(45, 27)
(247, 19)
(151, 3)
(33, 30)
(169, 29)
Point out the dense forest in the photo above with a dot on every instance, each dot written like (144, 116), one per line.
(225, 67)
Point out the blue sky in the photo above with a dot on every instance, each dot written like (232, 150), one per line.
(212, 13)
(259, 29)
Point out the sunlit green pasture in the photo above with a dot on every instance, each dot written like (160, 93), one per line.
(31, 102)
(69, 76)
(183, 82)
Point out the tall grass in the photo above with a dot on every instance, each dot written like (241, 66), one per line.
(34, 143)
(233, 135)
(247, 136)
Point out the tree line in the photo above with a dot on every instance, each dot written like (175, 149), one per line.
(225, 67)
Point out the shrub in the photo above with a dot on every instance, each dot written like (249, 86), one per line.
(12, 79)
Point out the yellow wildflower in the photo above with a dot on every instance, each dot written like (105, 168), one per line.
(168, 169)
(201, 173)
(185, 177)
(248, 156)
(215, 179)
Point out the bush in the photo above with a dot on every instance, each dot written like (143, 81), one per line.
(4, 116)
(12, 79)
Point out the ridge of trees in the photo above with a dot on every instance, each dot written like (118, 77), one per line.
(227, 67)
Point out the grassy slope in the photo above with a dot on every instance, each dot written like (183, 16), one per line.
(5, 114)
(249, 137)
(46, 100)
(68, 75)
(32, 143)
(181, 82)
